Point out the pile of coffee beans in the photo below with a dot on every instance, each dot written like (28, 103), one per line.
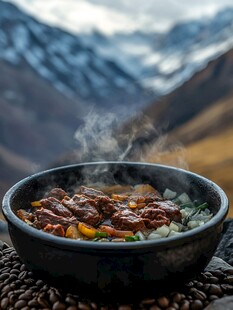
(19, 289)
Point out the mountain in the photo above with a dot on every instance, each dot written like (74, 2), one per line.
(37, 123)
(161, 62)
(200, 139)
(135, 66)
(168, 114)
(71, 67)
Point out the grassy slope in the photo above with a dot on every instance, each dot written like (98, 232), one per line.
(211, 157)
(212, 152)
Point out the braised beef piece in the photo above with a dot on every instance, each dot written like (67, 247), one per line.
(127, 220)
(56, 206)
(154, 217)
(138, 198)
(153, 196)
(90, 192)
(106, 206)
(84, 209)
(56, 230)
(45, 216)
(57, 193)
(171, 209)
(145, 198)
(25, 216)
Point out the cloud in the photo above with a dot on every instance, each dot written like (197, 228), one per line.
(121, 15)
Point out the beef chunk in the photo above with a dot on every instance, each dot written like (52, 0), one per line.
(57, 193)
(146, 198)
(106, 206)
(150, 197)
(127, 220)
(25, 216)
(84, 209)
(56, 230)
(90, 192)
(56, 206)
(171, 209)
(154, 217)
(45, 216)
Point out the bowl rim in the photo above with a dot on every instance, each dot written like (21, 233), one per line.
(76, 245)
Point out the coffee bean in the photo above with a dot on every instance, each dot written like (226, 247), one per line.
(70, 300)
(206, 287)
(6, 289)
(199, 295)
(59, 306)
(4, 303)
(23, 267)
(229, 271)
(213, 297)
(163, 302)
(177, 297)
(16, 266)
(215, 290)
(14, 271)
(84, 306)
(217, 273)
(190, 284)
(5, 270)
(175, 305)
(28, 281)
(13, 286)
(196, 305)
(227, 288)
(4, 276)
(13, 277)
(72, 308)
(53, 297)
(19, 291)
(8, 250)
(148, 301)
(213, 280)
(27, 295)
(23, 275)
(199, 284)
(228, 279)
(185, 305)
(20, 304)
(94, 305)
(42, 301)
(33, 303)
(154, 307)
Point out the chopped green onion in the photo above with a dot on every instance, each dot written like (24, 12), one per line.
(202, 206)
(101, 234)
(132, 238)
(186, 205)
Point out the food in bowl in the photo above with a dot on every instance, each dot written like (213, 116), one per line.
(119, 213)
(115, 269)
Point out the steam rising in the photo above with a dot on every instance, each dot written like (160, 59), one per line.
(99, 138)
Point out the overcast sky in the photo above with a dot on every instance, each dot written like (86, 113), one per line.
(110, 16)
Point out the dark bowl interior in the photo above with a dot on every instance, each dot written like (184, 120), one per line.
(102, 269)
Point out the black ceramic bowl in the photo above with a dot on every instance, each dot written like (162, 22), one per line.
(115, 269)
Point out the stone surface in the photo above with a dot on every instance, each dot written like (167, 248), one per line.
(225, 248)
(225, 303)
(217, 263)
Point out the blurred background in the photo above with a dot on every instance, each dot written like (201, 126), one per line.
(95, 80)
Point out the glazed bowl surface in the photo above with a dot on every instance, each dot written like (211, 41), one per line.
(107, 269)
